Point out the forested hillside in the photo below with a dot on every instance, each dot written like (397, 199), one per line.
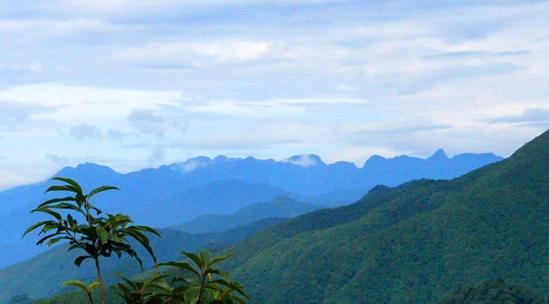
(420, 242)
(415, 243)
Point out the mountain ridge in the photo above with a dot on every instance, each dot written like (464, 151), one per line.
(279, 207)
(414, 243)
(167, 196)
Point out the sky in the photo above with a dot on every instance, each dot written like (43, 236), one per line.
(133, 84)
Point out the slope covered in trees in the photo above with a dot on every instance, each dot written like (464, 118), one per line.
(493, 292)
(414, 243)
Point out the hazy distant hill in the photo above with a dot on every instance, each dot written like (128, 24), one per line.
(160, 207)
(280, 207)
(309, 175)
(412, 244)
(173, 194)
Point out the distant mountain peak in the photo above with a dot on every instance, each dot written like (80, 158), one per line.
(221, 158)
(88, 165)
(88, 168)
(439, 154)
(305, 160)
(199, 162)
(378, 189)
(374, 159)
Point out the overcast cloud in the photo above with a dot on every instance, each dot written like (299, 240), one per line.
(138, 83)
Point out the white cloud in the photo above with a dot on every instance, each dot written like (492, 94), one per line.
(143, 6)
(87, 104)
(272, 107)
(33, 68)
(194, 163)
(58, 160)
(163, 78)
(304, 160)
(32, 27)
(193, 54)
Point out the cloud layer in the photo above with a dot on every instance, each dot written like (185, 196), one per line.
(138, 83)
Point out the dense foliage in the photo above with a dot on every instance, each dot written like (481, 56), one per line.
(412, 244)
(74, 219)
(20, 299)
(100, 236)
(493, 292)
(197, 281)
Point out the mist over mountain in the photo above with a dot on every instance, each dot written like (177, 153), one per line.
(308, 174)
(176, 193)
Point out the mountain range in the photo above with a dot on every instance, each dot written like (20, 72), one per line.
(425, 241)
(173, 194)
(415, 243)
(280, 207)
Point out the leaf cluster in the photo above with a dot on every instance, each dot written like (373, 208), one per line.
(493, 291)
(194, 281)
(73, 218)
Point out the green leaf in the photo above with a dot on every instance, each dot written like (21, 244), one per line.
(62, 188)
(148, 229)
(57, 200)
(220, 259)
(93, 286)
(239, 299)
(78, 261)
(77, 284)
(55, 240)
(48, 211)
(67, 207)
(141, 239)
(133, 254)
(230, 285)
(33, 227)
(180, 265)
(47, 237)
(195, 258)
(99, 190)
(102, 234)
(69, 181)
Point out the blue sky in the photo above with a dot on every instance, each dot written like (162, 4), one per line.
(132, 84)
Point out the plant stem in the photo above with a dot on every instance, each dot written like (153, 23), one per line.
(202, 283)
(90, 298)
(100, 280)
